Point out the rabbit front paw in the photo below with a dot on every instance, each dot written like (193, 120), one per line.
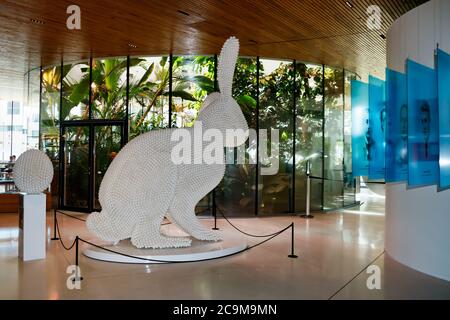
(160, 242)
(207, 235)
(148, 236)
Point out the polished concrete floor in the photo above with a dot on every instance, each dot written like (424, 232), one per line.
(334, 252)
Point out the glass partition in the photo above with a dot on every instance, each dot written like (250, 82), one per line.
(148, 94)
(31, 109)
(76, 165)
(349, 183)
(236, 193)
(109, 88)
(276, 105)
(107, 144)
(50, 101)
(309, 134)
(193, 80)
(75, 91)
(164, 91)
(50, 121)
(334, 139)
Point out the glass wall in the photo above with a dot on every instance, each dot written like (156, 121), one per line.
(19, 125)
(107, 144)
(308, 104)
(76, 174)
(334, 139)
(309, 134)
(193, 80)
(31, 109)
(276, 105)
(50, 120)
(236, 193)
(50, 101)
(349, 183)
(109, 88)
(75, 92)
(148, 94)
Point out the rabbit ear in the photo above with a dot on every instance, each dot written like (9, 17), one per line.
(227, 64)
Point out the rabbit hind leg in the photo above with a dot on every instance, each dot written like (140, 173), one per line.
(101, 224)
(183, 214)
(146, 234)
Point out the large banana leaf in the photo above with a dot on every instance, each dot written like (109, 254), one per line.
(146, 75)
(246, 101)
(182, 94)
(202, 82)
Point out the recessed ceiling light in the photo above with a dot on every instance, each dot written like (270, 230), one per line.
(37, 21)
(183, 12)
(349, 4)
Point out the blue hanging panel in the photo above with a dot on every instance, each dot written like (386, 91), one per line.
(377, 128)
(423, 122)
(443, 71)
(397, 127)
(360, 128)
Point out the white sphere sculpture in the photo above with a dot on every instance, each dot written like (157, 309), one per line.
(143, 185)
(33, 172)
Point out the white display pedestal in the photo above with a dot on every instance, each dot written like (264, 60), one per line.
(198, 251)
(32, 225)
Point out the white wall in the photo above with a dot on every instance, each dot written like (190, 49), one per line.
(418, 221)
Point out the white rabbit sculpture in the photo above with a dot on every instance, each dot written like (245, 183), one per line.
(143, 185)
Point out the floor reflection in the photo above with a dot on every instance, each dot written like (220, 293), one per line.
(332, 249)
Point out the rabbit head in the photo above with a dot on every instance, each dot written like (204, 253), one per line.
(220, 110)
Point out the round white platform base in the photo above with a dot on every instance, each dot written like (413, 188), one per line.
(200, 250)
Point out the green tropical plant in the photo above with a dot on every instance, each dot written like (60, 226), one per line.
(107, 89)
(192, 80)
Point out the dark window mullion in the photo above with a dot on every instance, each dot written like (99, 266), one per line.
(170, 88)
(343, 137)
(294, 133)
(90, 88)
(214, 203)
(257, 137)
(61, 141)
(40, 107)
(127, 106)
(323, 136)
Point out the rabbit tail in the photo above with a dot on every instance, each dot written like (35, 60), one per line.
(100, 224)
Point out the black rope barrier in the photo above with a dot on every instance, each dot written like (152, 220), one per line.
(77, 239)
(84, 220)
(326, 179)
(243, 232)
(67, 248)
(185, 261)
(71, 216)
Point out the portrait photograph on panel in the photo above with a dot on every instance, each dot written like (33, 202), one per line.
(397, 127)
(443, 70)
(423, 140)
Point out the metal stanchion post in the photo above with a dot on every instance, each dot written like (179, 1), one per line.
(55, 235)
(308, 192)
(77, 275)
(292, 255)
(214, 209)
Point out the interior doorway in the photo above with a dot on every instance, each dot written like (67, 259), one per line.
(87, 151)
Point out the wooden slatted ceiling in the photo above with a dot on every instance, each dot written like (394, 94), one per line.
(320, 31)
